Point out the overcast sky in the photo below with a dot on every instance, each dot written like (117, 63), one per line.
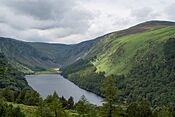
(73, 21)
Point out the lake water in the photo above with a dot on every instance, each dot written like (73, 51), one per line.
(47, 84)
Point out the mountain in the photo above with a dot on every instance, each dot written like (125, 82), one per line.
(30, 56)
(141, 58)
(10, 77)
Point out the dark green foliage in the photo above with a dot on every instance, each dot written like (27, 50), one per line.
(31, 98)
(53, 106)
(139, 110)
(28, 97)
(83, 106)
(57, 108)
(110, 94)
(163, 112)
(55, 95)
(84, 75)
(64, 102)
(8, 95)
(10, 111)
(70, 103)
(10, 77)
(80, 64)
(43, 110)
(152, 76)
(14, 87)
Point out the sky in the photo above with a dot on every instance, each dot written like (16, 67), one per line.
(74, 21)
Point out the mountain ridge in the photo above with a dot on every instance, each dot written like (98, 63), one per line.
(42, 56)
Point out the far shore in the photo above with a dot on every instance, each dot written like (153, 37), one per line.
(49, 71)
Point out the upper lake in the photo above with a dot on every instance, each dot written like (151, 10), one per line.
(47, 84)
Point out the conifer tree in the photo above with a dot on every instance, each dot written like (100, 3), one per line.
(110, 92)
(70, 103)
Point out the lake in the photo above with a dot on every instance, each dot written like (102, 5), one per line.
(47, 84)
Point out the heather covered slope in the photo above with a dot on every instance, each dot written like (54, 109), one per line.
(141, 58)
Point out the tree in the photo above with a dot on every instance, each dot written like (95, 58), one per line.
(8, 95)
(43, 110)
(31, 98)
(110, 92)
(7, 110)
(139, 110)
(55, 95)
(70, 103)
(16, 112)
(82, 106)
(56, 107)
(64, 102)
(49, 99)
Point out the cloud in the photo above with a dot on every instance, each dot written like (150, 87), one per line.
(40, 9)
(170, 11)
(72, 21)
(51, 19)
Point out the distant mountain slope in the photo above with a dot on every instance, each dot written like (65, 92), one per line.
(141, 58)
(10, 77)
(64, 54)
(117, 50)
(40, 56)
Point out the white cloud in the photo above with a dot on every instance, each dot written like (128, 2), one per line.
(70, 21)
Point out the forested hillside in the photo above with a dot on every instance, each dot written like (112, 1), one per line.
(10, 77)
(30, 56)
(141, 58)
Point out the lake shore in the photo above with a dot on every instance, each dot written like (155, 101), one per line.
(46, 84)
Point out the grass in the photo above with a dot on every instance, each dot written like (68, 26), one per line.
(119, 53)
(49, 71)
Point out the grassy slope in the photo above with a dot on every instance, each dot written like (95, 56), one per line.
(119, 53)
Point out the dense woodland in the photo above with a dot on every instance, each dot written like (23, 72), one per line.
(86, 77)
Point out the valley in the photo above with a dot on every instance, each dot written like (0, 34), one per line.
(136, 65)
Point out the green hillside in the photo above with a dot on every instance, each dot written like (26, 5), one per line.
(10, 77)
(141, 58)
(30, 56)
(119, 54)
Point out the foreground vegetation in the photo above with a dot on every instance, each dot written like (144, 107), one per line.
(55, 106)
